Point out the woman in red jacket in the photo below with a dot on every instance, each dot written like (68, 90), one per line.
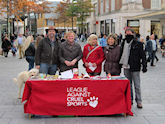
(93, 56)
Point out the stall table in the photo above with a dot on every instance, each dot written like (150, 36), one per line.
(77, 97)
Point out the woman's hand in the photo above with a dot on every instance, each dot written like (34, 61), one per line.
(94, 65)
(86, 64)
(68, 63)
(73, 62)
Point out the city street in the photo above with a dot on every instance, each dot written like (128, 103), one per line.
(153, 93)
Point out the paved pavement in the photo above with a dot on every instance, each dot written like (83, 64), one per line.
(153, 92)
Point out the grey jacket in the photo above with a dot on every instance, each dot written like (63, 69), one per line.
(112, 58)
(69, 52)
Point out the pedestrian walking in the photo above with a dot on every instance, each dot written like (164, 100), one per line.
(133, 56)
(103, 41)
(93, 56)
(20, 44)
(151, 49)
(112, 54)
(163, 48)
(13, 48)
(46, 55)
(6, 45)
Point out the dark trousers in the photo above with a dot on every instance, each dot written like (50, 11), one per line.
(153, 57)
(30, 60)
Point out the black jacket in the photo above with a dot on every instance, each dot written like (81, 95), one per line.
(137, 56)
(30, 51)
(6, 45)
(43, 53)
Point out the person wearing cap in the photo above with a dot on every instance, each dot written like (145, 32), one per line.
(112, 53)
(46, 56)
(70, 53)
(133, 56)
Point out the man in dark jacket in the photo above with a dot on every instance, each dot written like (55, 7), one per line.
(133, 56)
(46, 56)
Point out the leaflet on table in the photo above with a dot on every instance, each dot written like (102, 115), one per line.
(91, 66)
(67, 74)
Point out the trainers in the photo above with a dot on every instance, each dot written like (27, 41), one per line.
(139, 105)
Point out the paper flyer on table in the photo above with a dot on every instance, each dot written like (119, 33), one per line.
(67, 74)
(91, 66)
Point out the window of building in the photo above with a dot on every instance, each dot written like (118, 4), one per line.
(49, 22)
(107, 6)
(102, 7)
(112, 5)
(102, 27)
(107, 26)
(95, 9)
(155, 4)
(130, 1)
(112, 26)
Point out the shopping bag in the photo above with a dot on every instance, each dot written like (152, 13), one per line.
(1, 51)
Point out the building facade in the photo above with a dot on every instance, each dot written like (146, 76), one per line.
(51, 19)
(113, 16)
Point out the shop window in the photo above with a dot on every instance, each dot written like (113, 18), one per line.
(133, 24)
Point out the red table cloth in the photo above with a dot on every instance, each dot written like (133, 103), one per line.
(77, 97)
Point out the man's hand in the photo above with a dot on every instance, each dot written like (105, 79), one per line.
(144, 70)
(37, 66)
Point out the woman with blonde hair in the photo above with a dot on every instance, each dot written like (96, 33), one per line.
(112, 53)
(70, 53)
(29, 51)
(93, 56)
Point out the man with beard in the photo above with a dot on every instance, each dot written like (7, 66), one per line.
(46, 57)
(133, 56)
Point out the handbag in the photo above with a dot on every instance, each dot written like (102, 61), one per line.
(1, 51)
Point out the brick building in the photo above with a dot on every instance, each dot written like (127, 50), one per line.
(112, 16)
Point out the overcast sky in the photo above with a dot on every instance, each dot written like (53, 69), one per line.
(53, 0)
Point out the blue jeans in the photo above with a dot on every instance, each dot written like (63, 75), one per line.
(30, 60)
(48, 68)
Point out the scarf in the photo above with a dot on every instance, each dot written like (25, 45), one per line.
(126, 53)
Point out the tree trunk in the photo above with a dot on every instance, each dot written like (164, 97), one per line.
(35, 23)
(72, 23)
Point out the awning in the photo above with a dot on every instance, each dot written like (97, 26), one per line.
(159, 14)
